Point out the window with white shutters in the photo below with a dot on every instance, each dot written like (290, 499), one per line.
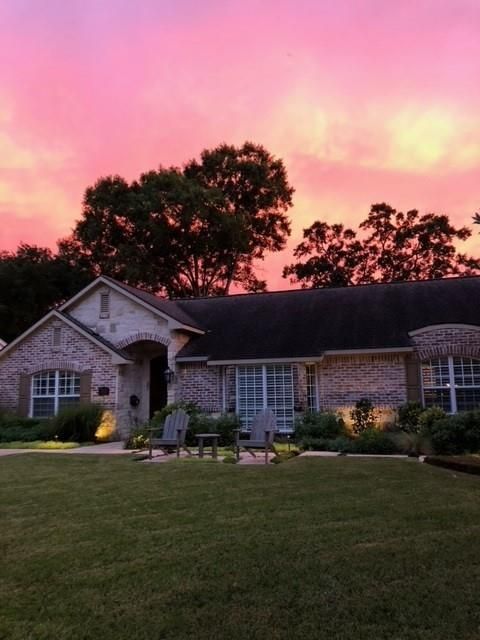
(265, 387)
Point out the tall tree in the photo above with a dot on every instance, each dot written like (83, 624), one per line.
(32, 281)
(187, 232)
(395, 246)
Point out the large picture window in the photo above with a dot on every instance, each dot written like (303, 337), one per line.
(53, 390)
(451, 383)
(265, 387)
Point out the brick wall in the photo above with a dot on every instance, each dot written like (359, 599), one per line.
(75, 353)
(342, 380)
(202, 385)
(445, 341)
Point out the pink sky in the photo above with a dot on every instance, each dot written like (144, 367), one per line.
(365, 100)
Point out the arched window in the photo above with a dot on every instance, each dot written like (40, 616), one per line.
(451, 383)
(53, 390)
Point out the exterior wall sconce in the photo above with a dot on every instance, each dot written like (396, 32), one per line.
(169, 375)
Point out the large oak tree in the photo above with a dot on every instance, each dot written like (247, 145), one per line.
(193, 231)
(393, 246)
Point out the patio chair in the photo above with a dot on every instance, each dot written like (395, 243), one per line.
(262, 433)
(174, 432)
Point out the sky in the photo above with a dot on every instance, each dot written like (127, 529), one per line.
(365, 101)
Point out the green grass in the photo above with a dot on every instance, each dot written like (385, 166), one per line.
(338, 548)
(39, 444)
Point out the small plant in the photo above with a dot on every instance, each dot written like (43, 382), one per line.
(230, 459)
(107, 427)
(372, 441)
(363, 416)
(409, 417)
(138, 439)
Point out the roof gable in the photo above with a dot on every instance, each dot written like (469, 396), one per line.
(118, 356)
(176, 317)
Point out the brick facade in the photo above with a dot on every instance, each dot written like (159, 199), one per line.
(447, 341)
(143, 335)
(75, 353)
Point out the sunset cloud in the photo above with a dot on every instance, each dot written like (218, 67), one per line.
(364, 100)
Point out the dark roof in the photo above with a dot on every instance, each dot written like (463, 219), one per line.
(169, 307)
(305, 323)
(98, 337)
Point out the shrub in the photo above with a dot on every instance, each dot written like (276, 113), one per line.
(324, 444)
(409, 417)
(319, 425)
(78, 422)
(412, 444)
(371, 441)
(429, 416)
(229, 459)
(456, 434)
(14, 428)
(363, 416)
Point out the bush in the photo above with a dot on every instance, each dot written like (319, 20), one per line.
(107, 427)
(319, 425)
(230, 459)
(372, 441)
(409, 417)
(456, 434)
(14, 428)
(324, 444)
(412, 444)
(363, 416)
(466, 464)
(284, 457)
(78, 422)
(429, 416)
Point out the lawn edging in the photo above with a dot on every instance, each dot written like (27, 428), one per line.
(465, 464)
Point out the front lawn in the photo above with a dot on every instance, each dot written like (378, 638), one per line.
(103, 547)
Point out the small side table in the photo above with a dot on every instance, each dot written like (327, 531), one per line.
(206, 436)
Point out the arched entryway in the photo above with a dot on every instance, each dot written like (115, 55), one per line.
(145, 386)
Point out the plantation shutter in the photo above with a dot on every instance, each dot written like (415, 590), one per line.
(24, 387)
(412, 367)
(85, 387)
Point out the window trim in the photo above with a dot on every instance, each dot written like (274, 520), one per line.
(316, 395)
(56, 395)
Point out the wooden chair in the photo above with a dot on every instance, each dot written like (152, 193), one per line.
(262, 433)
(174, 432)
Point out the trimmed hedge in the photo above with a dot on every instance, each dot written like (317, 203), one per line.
(16, 429)
(465, 464)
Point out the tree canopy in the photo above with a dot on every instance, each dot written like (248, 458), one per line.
(32, 281)
(193, 231)
(394, 246)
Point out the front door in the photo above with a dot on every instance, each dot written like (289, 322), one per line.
(158, 386)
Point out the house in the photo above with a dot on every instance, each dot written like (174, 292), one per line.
(292, 351)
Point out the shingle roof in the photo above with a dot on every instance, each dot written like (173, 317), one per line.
(306, 323)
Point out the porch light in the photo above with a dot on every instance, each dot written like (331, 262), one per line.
(169, 375)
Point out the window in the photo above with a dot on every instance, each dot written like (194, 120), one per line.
(53, 390)
(451, 383)
(312, 395)
(105, 305)
(265, 387)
